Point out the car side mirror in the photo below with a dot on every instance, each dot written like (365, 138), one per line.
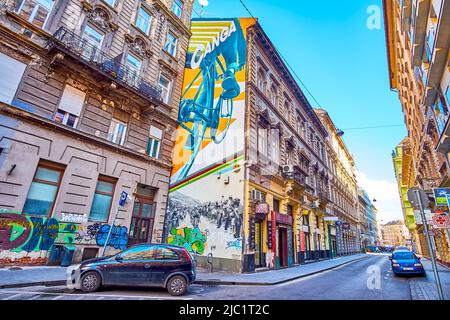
(119, 258)
(390, 257)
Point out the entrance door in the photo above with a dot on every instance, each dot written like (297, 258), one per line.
(282, 246)
(258, 245)
(141, 221)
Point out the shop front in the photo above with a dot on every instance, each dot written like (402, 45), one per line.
(282, 239)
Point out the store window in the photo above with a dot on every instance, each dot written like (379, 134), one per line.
(44, 189)
(101, 206)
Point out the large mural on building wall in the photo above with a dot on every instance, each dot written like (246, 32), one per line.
(205, 209)
(25, 238)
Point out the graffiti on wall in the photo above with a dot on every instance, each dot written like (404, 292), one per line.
(192, 239)
(23, 233)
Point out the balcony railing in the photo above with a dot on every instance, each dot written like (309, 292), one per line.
(109, 66)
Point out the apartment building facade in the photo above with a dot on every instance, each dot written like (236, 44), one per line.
(368, 224)
(394, 234)
(89, 95)
(250, 187)
(418, 39)
(344, 188)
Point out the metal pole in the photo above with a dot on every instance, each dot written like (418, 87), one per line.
(110, 231)
(430, 248)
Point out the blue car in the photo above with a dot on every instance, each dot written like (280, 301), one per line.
(142, 265)
(406, 262)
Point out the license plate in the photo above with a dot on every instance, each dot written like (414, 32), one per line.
(408, 269)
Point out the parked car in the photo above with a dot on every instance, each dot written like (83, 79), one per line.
(142, 265)
(406, 262)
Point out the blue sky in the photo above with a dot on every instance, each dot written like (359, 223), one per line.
(344, 64)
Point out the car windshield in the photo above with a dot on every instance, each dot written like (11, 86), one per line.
(403, 255)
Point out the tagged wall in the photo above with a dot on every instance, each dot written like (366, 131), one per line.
(205, 208)
(28, 239)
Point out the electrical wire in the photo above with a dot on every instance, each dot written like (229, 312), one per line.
(375, 127)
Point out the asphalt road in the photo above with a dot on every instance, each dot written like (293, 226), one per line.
(366, 279)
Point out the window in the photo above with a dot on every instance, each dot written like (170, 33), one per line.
(275, 146)
(35, 11)
(165, 85)
(274, 96)
(117, 131)
(154, 142)
(112, 3)
(166, 254)
(144, 21)
(11, 72)
(139, 253)
(171, 44)
(101, 205)
(276, 205)
(134, 63)
(70, 106)
(261, 81)
(177, 8)
(92, 42)
(262, 141)
(44, 188)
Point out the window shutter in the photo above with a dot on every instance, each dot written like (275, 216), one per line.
(156, 132)
(72, 100)
(11, 72)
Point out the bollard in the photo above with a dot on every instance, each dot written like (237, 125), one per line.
(210, 262)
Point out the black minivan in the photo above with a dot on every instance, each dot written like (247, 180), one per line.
(142, 265)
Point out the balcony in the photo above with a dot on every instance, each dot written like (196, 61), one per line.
(110, 67)
(324, 197)
(439, 58)
(421, 19)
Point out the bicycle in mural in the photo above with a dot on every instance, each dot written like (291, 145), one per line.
(202, 112)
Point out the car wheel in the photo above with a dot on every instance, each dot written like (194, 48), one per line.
(177, 286)
(90, 281)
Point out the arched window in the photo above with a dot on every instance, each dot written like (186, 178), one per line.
(261, 80)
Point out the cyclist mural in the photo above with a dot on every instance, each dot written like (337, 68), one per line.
(210, 141)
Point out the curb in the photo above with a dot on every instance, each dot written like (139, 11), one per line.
(55, 283)
(244, 283)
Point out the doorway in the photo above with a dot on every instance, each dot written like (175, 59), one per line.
(282, 247)
(259, 261)
(143, 217)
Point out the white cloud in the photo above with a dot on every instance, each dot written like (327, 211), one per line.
(387, 196)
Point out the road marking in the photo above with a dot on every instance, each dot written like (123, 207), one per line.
(57, 297)
(18, 293)
(12, 297)
(100, 298)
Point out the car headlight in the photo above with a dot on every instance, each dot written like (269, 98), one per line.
(395, 265)
(418, 265)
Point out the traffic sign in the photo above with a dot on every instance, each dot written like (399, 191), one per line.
(440, 221)
(123, 198)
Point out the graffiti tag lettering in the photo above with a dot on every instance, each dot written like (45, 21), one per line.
(194, 240)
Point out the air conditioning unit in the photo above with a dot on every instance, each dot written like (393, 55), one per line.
(316, 204)
(257, 195)
(288, 169)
